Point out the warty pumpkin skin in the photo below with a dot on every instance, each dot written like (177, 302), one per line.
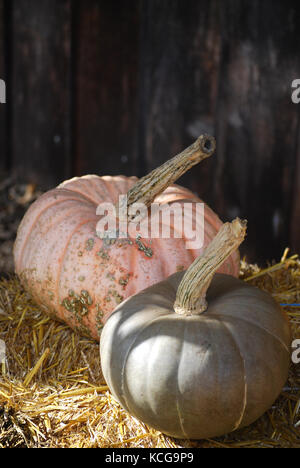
(78, 277)
(197, 376)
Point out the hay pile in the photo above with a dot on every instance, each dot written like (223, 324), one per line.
(52, 393)
(15, 199)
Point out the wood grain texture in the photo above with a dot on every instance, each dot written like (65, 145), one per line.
(228, 71)
(106, 53)
(3, 154)
(119, 87)
(257, 123)
(41, 89)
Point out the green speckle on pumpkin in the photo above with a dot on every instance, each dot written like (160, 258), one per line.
(100, 312)
(124, 280)
(90, 244)
(101, 253)
(147, 250)
(78, 305)
(110, 276)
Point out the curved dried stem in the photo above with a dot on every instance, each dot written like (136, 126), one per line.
(150, 186)
(191, 292)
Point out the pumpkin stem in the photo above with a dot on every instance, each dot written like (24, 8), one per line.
(191, 292)
(151, 185)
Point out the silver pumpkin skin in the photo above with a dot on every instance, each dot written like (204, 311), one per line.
(197, 376)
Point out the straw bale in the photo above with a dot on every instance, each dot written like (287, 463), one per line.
(52, 392)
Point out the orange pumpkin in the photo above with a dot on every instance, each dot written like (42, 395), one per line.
(78, 277)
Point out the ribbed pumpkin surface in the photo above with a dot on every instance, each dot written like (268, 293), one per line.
(80, 278)
(197, 376)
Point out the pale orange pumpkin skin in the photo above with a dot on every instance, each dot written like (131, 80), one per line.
(79, 278)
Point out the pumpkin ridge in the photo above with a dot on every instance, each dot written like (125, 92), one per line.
(162, 223)
(40, 213)
(232, 317)
(51, 226)
(149, 368)
(131, 269)
(123, 183)
(180, 419)
(239, 421)
(180, 201)
(64, 255)
(163, 255)
(122, 386)
(86, 197)
(80, 190)
(33, 225)
(111, 190)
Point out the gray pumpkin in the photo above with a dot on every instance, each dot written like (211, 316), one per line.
(203, 372)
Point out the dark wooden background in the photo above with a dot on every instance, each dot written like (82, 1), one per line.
(110, 87)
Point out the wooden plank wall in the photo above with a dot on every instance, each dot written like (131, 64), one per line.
(228, 71)
(3, 108)
(105, 101)
(41, 89)
(118, 87)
